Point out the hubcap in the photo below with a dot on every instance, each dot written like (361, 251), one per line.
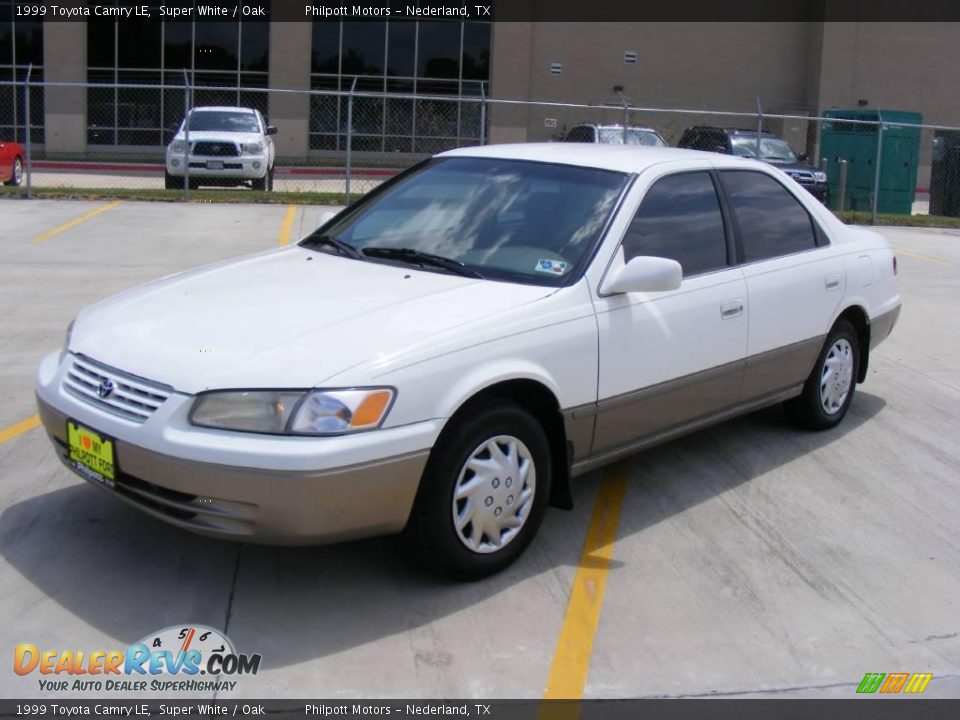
(17, 171)
(494, 494)
(836, 377)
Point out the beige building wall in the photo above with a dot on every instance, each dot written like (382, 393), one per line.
(65, 108)
(290, 70)
(718, 66)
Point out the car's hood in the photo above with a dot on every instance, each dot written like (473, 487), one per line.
(223, 135)
(287, 318)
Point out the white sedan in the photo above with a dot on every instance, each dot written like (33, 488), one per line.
(441, 357)
(229, 146)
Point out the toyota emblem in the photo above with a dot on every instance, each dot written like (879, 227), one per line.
(106, 388)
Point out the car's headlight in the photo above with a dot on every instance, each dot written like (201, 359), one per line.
(293, 412)
(820, 176)
(178, 147)
(253, 148)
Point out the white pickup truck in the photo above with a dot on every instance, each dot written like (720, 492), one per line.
(229, 146)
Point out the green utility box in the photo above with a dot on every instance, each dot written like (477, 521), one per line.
(857, 144)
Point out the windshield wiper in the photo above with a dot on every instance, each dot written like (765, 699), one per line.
(336, 243)
(418, 257)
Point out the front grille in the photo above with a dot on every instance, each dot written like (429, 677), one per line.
(114, 391)
(216, 148)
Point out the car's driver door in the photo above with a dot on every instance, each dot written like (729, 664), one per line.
(669, 358)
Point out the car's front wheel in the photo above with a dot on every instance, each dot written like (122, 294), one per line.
(828, 391)
(483, 493)
(172, 182)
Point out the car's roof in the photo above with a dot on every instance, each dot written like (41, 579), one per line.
(222, 108)
(614, 126)
(620, 158)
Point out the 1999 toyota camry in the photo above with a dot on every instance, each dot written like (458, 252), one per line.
(441, 357)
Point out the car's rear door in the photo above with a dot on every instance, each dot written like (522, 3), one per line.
(667, 358)
(795, 280)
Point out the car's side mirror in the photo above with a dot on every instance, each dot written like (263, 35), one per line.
(326, 217)
(271, 130)
(720, 149)
(644, 274)
(802, 157)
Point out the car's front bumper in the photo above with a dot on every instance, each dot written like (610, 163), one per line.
(243, 167)
(289, 491)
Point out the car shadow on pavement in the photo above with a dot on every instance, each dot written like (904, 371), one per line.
(127, 574)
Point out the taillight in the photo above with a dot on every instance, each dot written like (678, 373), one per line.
(894, 264)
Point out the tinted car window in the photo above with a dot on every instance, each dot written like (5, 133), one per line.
(772, 221)
(580, 134)
(680, 219)
(710, 140)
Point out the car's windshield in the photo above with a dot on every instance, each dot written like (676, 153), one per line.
(635, 136)
(223, 120)
(770, 148)
(510, 220)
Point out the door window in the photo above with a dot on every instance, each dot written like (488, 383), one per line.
(680, 219)
(772, 221)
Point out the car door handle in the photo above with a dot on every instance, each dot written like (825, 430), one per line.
(832, 281)
(731, 309)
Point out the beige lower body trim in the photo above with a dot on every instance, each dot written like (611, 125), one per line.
(272, 507)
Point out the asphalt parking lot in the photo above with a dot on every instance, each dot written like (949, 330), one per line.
(750, 559)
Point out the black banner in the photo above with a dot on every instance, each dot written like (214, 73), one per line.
(488, 10)
(716, 709)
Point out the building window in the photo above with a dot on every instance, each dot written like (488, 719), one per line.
(21, 45)
(450, 59)
(226, 62)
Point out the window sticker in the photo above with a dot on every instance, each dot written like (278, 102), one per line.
(554, 267)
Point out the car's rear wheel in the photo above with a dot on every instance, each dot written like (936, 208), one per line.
(16, 173)
(483, 493)
(829, 389)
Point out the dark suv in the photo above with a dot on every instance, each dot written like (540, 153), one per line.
(773, 150)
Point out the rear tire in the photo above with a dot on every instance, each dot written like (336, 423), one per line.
(483, 493)
(829, 389)
(16, 172)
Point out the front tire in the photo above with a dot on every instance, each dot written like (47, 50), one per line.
(483, 493)
(829, 389)
(172, 182)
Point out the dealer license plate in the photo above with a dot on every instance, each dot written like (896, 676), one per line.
(91, 454)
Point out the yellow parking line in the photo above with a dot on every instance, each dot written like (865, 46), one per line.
(918, 256)
(571, 659)
(287, 225)
(9, 433)
(73, 223)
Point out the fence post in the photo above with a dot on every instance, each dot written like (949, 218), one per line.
(842, 186)
(483, 115)
(759, 126)
(186, 136)
(876, 171)
(28, 142)
(349, 138)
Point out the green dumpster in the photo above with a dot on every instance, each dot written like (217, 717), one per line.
(857, 144)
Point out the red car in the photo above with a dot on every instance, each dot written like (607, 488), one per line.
(11, 163)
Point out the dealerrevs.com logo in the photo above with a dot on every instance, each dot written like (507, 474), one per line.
(185, 658)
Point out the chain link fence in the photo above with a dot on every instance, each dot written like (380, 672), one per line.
(104, 136)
